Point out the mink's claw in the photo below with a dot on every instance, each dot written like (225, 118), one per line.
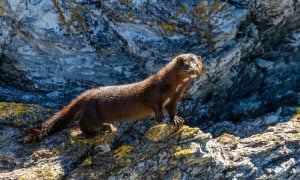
(178, 122)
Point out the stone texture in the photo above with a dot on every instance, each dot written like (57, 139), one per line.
(53, 50)
(269, 150)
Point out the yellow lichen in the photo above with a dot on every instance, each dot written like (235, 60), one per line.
(42, 153)
(182, 10)
(76, 15)
(296, 135)
(101, 153)
(23, 177)
(187, 132)
(47, 172)
(161, 167)
(297, 115)
(13, 109)
(17, 122)
(130, 15)
(229, 139)
(200, 9)
(159, 132)
(203, 20)
(176, 176)
(169, 27)
(217, 5)
(184, 152)
(2, 11)
(88, 161)
(20, 113)
(54, 152)
(122, 152)
(74, 133)
(99, 139)
(63, 21)
(124, 1)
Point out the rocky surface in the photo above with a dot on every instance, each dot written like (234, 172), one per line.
(245, 104)
(265, 147)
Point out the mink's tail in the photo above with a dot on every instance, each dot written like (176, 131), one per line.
(55, 123)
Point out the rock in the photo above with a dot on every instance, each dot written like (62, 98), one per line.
(290, 98)
(50, 48)
(161, 152)
(264, 64)
(190, 153)
(51, 51)
(296, 83)
(50, 159)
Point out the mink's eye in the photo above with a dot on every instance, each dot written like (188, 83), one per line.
(186, 65)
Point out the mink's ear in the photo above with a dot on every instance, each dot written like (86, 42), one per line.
(200, 58)
(179, 60)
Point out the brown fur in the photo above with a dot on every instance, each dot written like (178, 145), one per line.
(109, 104)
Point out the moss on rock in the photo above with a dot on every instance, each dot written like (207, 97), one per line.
(19, 114)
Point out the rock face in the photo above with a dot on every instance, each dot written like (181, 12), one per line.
(53, 50)
(245, 104)
(161, 152)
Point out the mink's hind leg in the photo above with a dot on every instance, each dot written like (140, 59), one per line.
(87, 128)
(88, 122)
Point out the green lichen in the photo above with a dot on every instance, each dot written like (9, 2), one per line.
(123, 152)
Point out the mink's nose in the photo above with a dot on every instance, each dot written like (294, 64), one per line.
(195, 71)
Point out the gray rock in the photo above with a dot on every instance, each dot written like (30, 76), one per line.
(264, 64)
(270, 150)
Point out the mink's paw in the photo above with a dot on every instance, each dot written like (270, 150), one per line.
(178, 122)
(159, 117)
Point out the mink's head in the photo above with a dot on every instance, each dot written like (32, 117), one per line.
(190, 66)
